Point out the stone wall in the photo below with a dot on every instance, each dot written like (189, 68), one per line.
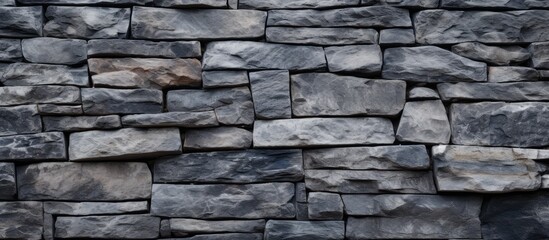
(274, 119)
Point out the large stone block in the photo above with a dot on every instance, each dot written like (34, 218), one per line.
(20, 22)
(511, 92)
(321, 36)
(10, 50)
(110, 227)
(103, 101)
(296, 4)
(93, 208)
(142, 48)
(271, 94)
(191, 3)
(304, 230)
(8, 187)
(25, 74)
(325, 206)
(39, 94)
(19, 120)
(424, 122)
(80, 123)
(54, 51)
(184, 226)
(504, 55)
(220, 138)
(21, 220)
(172, 119)
(33, 147)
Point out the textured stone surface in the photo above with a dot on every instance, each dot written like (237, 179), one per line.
(191, 3)
(21, 220)
(366, 59)
(53, 109)
(8, 187)
(326, 94)
(35, 147)
(271, 94)
(246, 166)
(172, 119)
(220, 138)
(266, 200)
(19, 120)
(424, 122)
(321, 36)
(113, 227)
(214, 79)
(7, 2)
(298, 4)
(504, 55)
(39, 94)
(325, 206)
(258, 55)
(181, 226)
(225, 236)
(126, 143)
(84, 181)
(142, 48)
(102, 101)
(80, 123)
(430, 64)
(19, 22)
(54, 50)
(91, 208)
(512, 74)
(540, 54)
(162, 23)
(512, 4)
(87, 2)
(27, 74)
(10, 50)
(397, 36)
(87, 22)
(406, 3)
(303, 230)
(422, 93)
(519, 91)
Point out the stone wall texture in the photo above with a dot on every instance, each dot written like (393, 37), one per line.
(274, 119)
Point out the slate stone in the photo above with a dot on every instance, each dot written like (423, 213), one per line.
(21, 220)
(364, 59)
(392, 216)
(449, 27)
(303, 230)
(49, 227)
(422, 93)
(514, 92)
(8, 187)
(214, 79)
(325, 206)
(80, 123)
(191, 3)
(232, 106)
(249, 201)
(300, 192)
(374, 16)
(92, 208)
(540, 54)
(27, 74)
(182, 226)
(483, 170)
(424, 122)
(512, 74)
(326, 94)
(271, 94)
(401, 157)
(164, 23)
(431, 64)
(321, 36)
(54, 50)
(302, 211)
(397, 36)
(19, 120)
(496, 55)
(87, 2)
(153, 73)
(113, 227)
(224, 236)
(39, 94)
(100, 181)
(511, 4)
(406, 3)
(220, 138)
(10, 50)
(122, 144)
(33, 147)
(172, 119)
(297, 4)
(372, 181)
(262, 56)
(7, 2)
(543, 74)
(143, 48)
(247, 166)
(165, 229)
(103, 101)
(54, 109)
(21, 22)
(87, 22)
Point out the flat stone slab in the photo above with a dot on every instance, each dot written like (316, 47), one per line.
(497, 55)
(19, 120)
(104, 101)
(512, 74)
(26, 74)
(54, 50)
(325, 206)
(362, 59)
(511, 92)
(271, 94)
(10, 50)
(126, 143)
(215, 79)
(224, 236)
(54, 109)
(33, 147)
(182, 226)
(298, 4)
(172, 119)
(21, 22)
(21, 220)
(219, 138)
(8, 187)
(92, 208)
(20, 95)
(318, 230)
(493, 4)
(424, 122)
(405, 3)
(88, 2)
(113, 227)
(422, 93)
(397, 36)
(540, 52)
(67, 181)
(80, 123)
(143, 48)
(321, 36)
(191, 3)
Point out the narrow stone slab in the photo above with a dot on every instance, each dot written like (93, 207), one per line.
(271, 94)
(191, 3)
(214, 79)
(8, 187)
(326, 94)
(54, 109)
(21, 22)
(525, 4)
(91, 208)
(10, 50)
(88, 2)
(514, 92)
(431, 64)
(512, 74)
(172, 119)
(80, 123)
(19, 120)
(220, 138)
(299, 4)
(182, 226)
(318, 230)
(102, 181)
(103, 101)
(325, 206)
(405, 3)
(503, 55)
(397, 36)
(225, 236)
(24, 74)
(33, 147)
(363, 59)
(267, 200)
(54, 50)
(423, 93)
(164, 23)
(21, 220)
(126, 143)
(7, 2)
(142, 48)
(75, 22)
(321, 36)
(262, 56)
(113, 227)
(39, 94)
(246, 166)
(540, 54)
(424, 122)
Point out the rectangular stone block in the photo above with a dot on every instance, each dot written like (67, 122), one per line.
(321, 36)
(21, 220)
(215, 79)
(80, 123)
(191, 3)
(20, 22)
(511, 92)
(87, 2)
(172, 119)
(296, 4)
(271, 94)
(64, 110)
(33, 147)
(219, 138)
(27, 74)
(109, 227)
(318, 230)
(143, 48)
(19, 120)
(39, 94)
(8, 187)
(184, 226)
(104, 101)
(93, 208)
(10, 49)
(55, 51)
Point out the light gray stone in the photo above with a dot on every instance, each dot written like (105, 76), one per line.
(245, 166)
(7, 2)
(100, 181)
(122, 144)
(182, 226)
(191, 3)
(321, 36)
(172, 119)
(164, 23)
(20, 22)
(214, 79)
(326, 94)
(304, 230)
(87, 2)
(19, 120)
(422, 93)
(540, 54)
(39, 94)
(406, 3)
(431, 64)
(325, 206)
(54, 50)
(8, 187)
(497, 55)
(224, 236)
(142, 48)
(397, 36)
(103, 101)
(271, 94)
(92, 208)
(220, 138)
(87, 22)
(512, 74)
(364, 59)
(26, 74)
(54, 109)
(250, 201)
(110, 227)
(33, 147)
(424, 122)
(21, 220)
(512, 4)
(297, 4)
(80, 123)
(514, 92)
(262, 56)
(10, 50)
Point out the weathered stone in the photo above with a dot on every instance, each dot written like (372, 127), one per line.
(8, 187)
(302, 211)
(365, 59)
(154, 73)
(102, 181)
(326, 94)
(232, 106)
(20, 22)
(164, 23)
(49, 227)
(345, 181)
(34, 147)
(110, 227)
(321, 36)
(297, 4)
(258, 56)
(191, 3)
(483, 169)
(504, 55)
(392, 216)
(406, 3)
(39, 94)
(501, 124)
(300, 192)
(142, 48)
(325, 206)
(517, 91)
(375, 16)
(24, 74)
(21, 220)
(80, 123)
(87, 22)
(92, 208)
(422, 93)
(424, 122)
(224, 236)
(430, 64)
(87, 2)
(448, 27)
(172, 119)
(214, 79)
(303, 230)
(543, 74)
(182, 226)
(266, 200)
(102, 101)
(512, 74)
(7, 2)
(54, 50)
(126, 143)
(512, 4)
(397, 36)
(411, 157)
(220, 138)
(540, 54)
(165, 228)
(53, 109)
(10, 50)
(246, 166)
(19, 120)
(271, 94)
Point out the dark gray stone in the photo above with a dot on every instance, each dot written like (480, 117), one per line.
(512, 74)
(422, 93)
(110, 227)
(364, 59)
(271, 94)
(142, 48)
(500, 55)
(543, 74)
(24, 74)
(7, 2)
(406, 3)
(54, 50)
(10, 50)
(296, 4)
(19, 120)
(321, 36)
(191, 3)
(165, 229)
(101, 181)
(87, 2)
(33, 147)
(103, 101)
(266, 200)
(431, 64)
(513, 92)
(92, 208)
(300, 192)
(397, 36)
(183, 226)
(172, 119)
(220, 138)
(80, 123)
(214, 79)
(8, 187)
(246, 166)
(304, 230)
(20, 22)
(540, 54)
(54, 109)
(512, 4)
(21, 220)
(325, 206)
(224, 236)
(424, 122)
(39, 94)
(164, 23)
(302, 211)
